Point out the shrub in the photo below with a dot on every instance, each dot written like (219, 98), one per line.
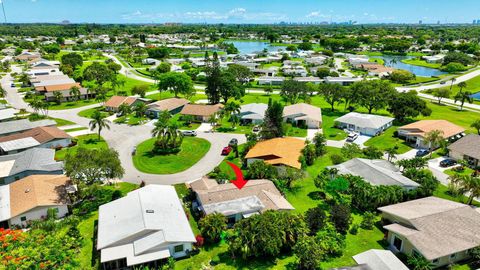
(336, 159)
(354, 229)
(315, 219)
(309, 253)
(199, 241)
(212, 226)
(340, 216)
(368, 220)
(261, 170)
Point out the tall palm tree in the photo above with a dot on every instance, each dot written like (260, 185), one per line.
(467, 184)
(99, 122)
(124, 109)
(462, 97)
(451, 85)
(433, 139)
(391, 153)
(476, 125)
(462, 85)
(140, 109)
(75, 92)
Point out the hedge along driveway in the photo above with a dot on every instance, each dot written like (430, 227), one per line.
(192, 150)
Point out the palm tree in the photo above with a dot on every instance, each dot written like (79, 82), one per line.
(140, 109)
(75, 92)
(462, 85)
(3, 92)
(451, 85)
(58, 96)
(391, 153)
(462, 97)
(124, 109)
(35, 104)
(433, 138)
(467, 184)
(213, 120)
(419, 263)
(476, 125)
(99, 122)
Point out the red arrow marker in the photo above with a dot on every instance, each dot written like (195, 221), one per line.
(239, 182)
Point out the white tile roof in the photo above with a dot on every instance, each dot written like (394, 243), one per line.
(378, 259)
(365, 120)
(19, 144)
(147, 210)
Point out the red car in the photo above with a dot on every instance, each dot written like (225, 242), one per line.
(226, 150)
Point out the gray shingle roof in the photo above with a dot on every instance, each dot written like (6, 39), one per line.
(436, 227)
(22, 125)
(376, 171)
(35, 159)
(365, 120)
(468, 145)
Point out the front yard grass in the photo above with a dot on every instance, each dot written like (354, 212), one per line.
(89, 112)
(387, 140)
(89, 141)
(192, 150)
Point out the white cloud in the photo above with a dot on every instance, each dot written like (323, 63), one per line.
(237, 14)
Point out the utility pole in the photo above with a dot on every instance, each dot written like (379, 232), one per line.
(4, 14)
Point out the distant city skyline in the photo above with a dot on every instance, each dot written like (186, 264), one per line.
(244, 11)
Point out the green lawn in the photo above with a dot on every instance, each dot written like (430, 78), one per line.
(329, 130)
(89, 112)
(466, 171)
(192, 150)
(422, 63)
(89, 141)
(387, 140)
(473, 85)
(62, 122)
(442, 192)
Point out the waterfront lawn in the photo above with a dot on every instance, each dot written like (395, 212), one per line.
(421, 63)
(192, 150)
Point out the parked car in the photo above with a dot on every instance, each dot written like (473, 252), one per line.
(352, 137)
(233, 142)
(256, 129)
(12, 85)
(134, 151)
(447, 162)
(421, 153)
(226, 150)
(191, 133)
(443, 82)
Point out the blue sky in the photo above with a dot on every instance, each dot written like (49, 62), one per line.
(242, 11)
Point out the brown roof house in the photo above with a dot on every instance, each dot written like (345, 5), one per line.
(440, 230)
(255, 197)
(172, 105)
(302, 114)
(415, 132)
(44, 137)
(278, 152)
(114, 102)
(201, 112)
(30, 198)
(56, 87)
(467, 148)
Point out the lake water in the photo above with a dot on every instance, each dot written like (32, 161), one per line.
(417, 70)
(246, 47)
(476, 96)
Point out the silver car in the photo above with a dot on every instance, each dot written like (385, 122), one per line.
(191, 133)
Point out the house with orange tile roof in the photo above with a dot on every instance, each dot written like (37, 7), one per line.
(44, 137)
(415, 132)
(278, 152)
(115, 102)
(56, 87)
(30, 198)
(201, 112)
(172, 105)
